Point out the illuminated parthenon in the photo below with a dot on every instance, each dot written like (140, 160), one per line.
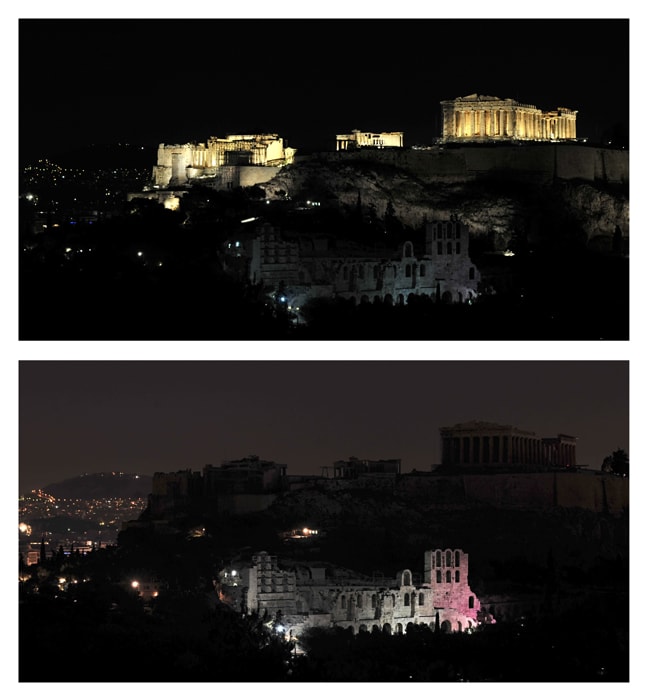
(484, 118)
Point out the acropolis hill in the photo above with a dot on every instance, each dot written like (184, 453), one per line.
(498, 165)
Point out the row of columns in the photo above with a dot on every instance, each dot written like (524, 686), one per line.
(513, 123)
(506, 449)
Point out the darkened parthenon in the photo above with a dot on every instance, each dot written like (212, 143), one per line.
(481, 444)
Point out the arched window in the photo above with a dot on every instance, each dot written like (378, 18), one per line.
(408, 273)
(438, 558)
(407, 250)
(449, 248)
(374, 600)
(422, 270)
(457, 557)
(471, 601)
(345, 273)
(448, 577)
(359, 601)
(457, 247)
(472, 273)
(406, 599)
(439, 576)
(361, 270)
(457, 576)
(343, 601)
(440, 249)
(375, 272)
(448, 559)
(421, 599)
(406, 578)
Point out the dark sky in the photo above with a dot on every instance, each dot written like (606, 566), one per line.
(175, 80)
(146, 416)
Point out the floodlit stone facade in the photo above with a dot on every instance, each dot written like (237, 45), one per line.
(305, 596)
(485, 118)
(222, 158)
(367, 139)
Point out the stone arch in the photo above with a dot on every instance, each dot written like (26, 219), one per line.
(459, 626)
(406, 578)
(459, 297)
(389, 301)
(387, 629)
(406, 599)
(399, 628)
(377, 299)
(412, 298)
(409, 627)
(446, 627)
(375, 629)
(365, 299)
(407, 249)
(362, 629)
(447, 298)
(400, 300)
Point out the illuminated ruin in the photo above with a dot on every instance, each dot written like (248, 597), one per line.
(485, 118)
(317, 596)
(259, 155)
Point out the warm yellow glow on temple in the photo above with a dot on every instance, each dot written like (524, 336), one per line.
(363, 139)
(484, 118)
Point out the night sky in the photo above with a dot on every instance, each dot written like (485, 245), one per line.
(149, 81)
(142, 417)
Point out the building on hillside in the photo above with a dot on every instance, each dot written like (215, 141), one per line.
(248, 475)
(354, 467)
(368, 139)
(295, 268)
(484, 118)
(306, 596)
(236, 486)
(489, 446)
(224, 163)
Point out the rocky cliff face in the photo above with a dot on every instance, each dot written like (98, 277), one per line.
(496, 206)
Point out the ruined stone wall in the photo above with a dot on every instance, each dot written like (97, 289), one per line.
(538, 162)
(240, 503)
(591, 491)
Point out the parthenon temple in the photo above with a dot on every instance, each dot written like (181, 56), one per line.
(484, 118)
(481, 444)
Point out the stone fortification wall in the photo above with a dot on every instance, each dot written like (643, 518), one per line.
(538, 162)
(241, 503)
(595, 492)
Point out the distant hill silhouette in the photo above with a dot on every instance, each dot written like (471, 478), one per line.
(102, 485)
